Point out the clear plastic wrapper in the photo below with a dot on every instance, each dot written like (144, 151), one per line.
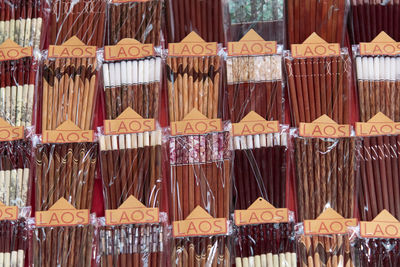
(327, 18)
(135, 84)
(202, 16)
(325, 171)
(194, 82)
(140, 20)
(69, 91)
(254, 84)
(85, 19)
(378, 79)
(131, 165)
(318, 86)
(17, 91)
(265, 17)
(370, 17)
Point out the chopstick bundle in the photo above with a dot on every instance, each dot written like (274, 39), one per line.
(14, 243)
(82, 18)
(138, 20)
(15, 173)
(21, 21)
(370, 17)
(265, 17)
(69, 92)
(318, 86)
(201, 251)
(131, 245)
(194, 82)
(135, 84)
(378, 79)
(370, 252)
(255, 84)
(325, 174)
(327, 18)
(201, 16)
(131, 165)
(266, 245)
(17, 90)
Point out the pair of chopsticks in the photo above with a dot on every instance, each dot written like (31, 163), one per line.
(254, 84)
(15, 173)
(265, 245)
(69, 92)
(131, 165)
(135, 84)
(14, 242)
(376, 252)
(319, 86)
(132, 245)
(18, 78)
(327, 18)
(193, 82)
(138, 20)
(82, 18)
(21, 21)
(325, 173)
(202, 16)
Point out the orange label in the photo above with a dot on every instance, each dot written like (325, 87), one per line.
(261, 211)
(380, 124)
(329, 222)
(252, 44)
(67, 132)
(10, 133)
(382, 45)
(254, 124)
(132, 211)
(324, 127)
(192, 45)
(385, 225)
(195, 123)
(128, 49)
(8, 213)
(72, 48)
(129, 122)
(200, 223)
(315, 46)
(62, 213)
(9, 50)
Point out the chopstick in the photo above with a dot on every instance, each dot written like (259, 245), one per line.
(14, 244)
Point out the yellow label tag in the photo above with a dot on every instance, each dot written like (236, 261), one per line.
(329, 222)
(385, 225)
(195, 123)
(9, 50)
(315, 46)
(129, 122)
(382, 45)
(62, 213)
(254, 124)
(252, 44)
(67, 132)
(380, 124)
(72, 48)
(261, 211)
(132, 211)
(10, 133)
(128, 49)
(324, 127)
(8, 213)
(192, 45)
(200, 223)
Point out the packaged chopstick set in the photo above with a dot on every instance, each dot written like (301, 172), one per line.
(136, 19)
(132, 78)
(265, 17)
(319, 81)
(69, 85)
(254, 79)
(325, 241)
